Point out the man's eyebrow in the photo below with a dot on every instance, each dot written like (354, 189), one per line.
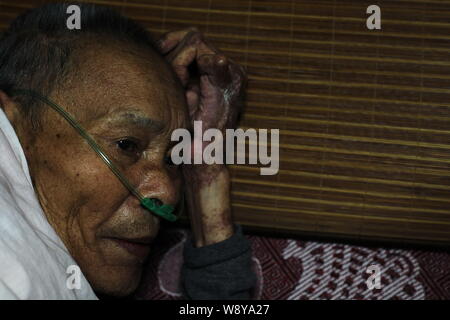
(139, 120)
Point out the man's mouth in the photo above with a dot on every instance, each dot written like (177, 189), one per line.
(139, 247)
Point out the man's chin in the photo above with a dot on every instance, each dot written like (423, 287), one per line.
(117, 281)
(113, 269)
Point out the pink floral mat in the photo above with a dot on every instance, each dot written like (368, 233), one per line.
(296, 270)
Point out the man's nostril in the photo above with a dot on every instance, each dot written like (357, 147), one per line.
(157, 202)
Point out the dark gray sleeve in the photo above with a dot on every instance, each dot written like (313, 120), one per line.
(220, 271)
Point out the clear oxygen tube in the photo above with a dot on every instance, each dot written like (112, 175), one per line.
(154, 205)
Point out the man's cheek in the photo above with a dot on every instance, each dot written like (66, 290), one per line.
(82, 179)
(95, 181)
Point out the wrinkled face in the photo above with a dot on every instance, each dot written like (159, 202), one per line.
(130, 106)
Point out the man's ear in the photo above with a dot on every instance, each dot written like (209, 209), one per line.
(10, 108)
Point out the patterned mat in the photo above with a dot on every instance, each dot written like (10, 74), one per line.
(301, 270)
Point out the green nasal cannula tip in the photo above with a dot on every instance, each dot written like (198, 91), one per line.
(162, 210)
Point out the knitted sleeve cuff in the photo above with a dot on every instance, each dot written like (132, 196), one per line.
(216, 253)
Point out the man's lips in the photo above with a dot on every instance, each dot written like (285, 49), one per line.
(139, 247)
(138, 240)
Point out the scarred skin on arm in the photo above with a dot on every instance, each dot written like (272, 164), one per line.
(214, 87)
(208, 201)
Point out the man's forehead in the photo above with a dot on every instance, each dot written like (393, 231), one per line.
(122, 87)
(114, 64)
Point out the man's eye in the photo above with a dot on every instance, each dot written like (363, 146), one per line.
(128, 146)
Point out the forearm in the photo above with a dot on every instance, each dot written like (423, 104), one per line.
(208, 200)
(217, 263)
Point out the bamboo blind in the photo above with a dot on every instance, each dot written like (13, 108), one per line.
(364, 115)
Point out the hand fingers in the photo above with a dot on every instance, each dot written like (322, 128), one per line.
(188, 46)
(222, 72)
(222, 91)
(191, 39)
(188, 43)
(186, 52)
(193, 99)
(171, 39)
(216, 67)
(183, 55)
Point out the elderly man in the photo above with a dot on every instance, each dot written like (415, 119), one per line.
(62, 207)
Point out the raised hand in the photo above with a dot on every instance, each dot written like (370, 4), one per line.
(214, 83)
(214, 87)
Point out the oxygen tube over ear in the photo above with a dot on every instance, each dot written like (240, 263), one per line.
(153, 205)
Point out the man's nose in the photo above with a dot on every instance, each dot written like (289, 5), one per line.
(156, 183)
